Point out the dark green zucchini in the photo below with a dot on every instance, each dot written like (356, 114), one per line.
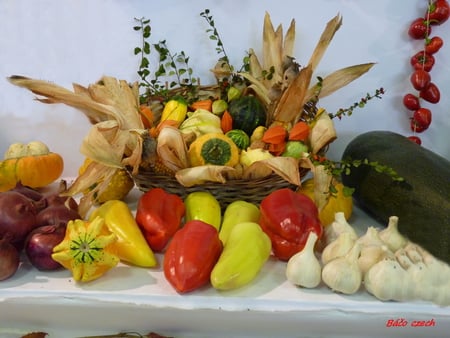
(421, 201)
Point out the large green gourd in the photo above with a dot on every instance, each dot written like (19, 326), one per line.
(247, 113)
(422, 201)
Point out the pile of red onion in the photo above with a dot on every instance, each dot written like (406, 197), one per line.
(32, 222)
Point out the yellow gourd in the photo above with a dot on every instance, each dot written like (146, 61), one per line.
(31, 164)
(336, 202)
(213, 148)
(118, 187)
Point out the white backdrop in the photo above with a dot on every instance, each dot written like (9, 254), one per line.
(67, 41)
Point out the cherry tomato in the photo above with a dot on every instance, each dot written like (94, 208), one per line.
(422, 116)
(411, 102)
(431, 93)
(416, 127)
(419, 29)
(433, 45)
(415, 139)
(420, 79)
(422, 60)
(438, 12)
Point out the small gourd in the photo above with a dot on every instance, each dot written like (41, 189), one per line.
(31, 164)
(214, 148)
(239, 137)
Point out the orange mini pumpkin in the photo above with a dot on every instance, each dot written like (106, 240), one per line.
(31, 164)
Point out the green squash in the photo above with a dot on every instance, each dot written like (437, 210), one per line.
(421, 202)
(248, 113)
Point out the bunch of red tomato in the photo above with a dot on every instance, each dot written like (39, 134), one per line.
(438, 11)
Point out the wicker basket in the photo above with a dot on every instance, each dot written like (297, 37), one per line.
(253, 190)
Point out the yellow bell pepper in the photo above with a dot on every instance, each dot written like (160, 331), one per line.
(203, 206)
(237, 212)
(87, 249)
(131, 245)
(245, 253)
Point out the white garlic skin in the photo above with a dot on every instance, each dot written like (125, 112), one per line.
(342, 274)
(391, 236)
(338, 248)
(304, 269)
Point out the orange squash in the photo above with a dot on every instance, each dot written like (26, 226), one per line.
(31, 164)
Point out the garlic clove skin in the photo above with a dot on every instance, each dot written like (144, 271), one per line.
(391, 236)
(338, 248)
(387, 280)
(304, 269)
(370, 255)
(339, 226)
(370, 238)
(342, 274)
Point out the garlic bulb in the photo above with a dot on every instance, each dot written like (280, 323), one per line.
(342, 274)
(338, 248)
(371, 255)
(339, 226)
(387, 280)
(391, 236)
(304, 269)
(370, 238)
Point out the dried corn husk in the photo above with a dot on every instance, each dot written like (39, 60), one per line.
(115, 138)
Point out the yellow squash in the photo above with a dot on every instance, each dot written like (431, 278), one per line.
(336, 202)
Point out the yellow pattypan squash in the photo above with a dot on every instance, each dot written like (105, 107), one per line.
(336, 202)
(88, 249)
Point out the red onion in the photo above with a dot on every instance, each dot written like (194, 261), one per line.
(56, 214)
(40, 243)
(28, 192)
(17, 217)
(9, 259)
(56, 199)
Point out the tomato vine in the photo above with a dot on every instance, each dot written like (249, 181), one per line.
(437, 12)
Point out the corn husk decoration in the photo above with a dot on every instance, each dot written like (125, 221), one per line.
(115, 140)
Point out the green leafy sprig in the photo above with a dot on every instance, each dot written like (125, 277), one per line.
(361, 104)
(169, 64)
(215, 36)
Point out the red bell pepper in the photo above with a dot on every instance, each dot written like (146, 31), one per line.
(423, 61)
(288, 217)
(191, 255)
(159, 215)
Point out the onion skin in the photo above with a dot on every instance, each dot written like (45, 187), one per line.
(56, 214)
(17, 217)
(9, 259)
(39, 246)
(28, 192)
